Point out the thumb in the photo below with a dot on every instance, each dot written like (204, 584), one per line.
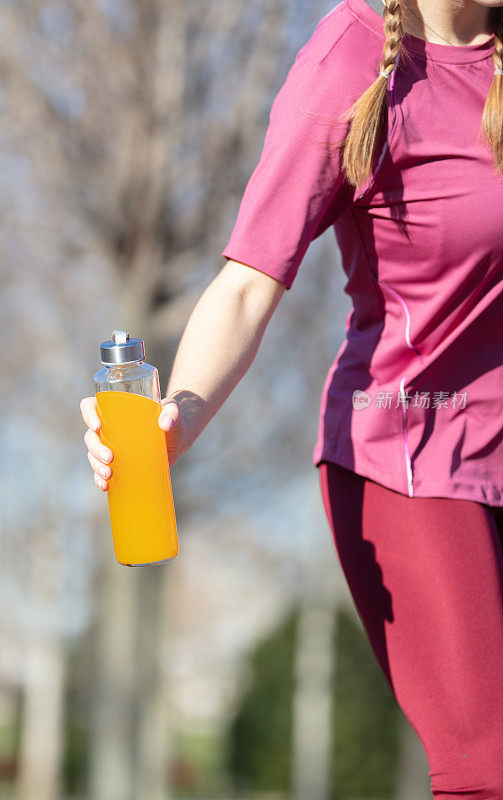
(170, 414)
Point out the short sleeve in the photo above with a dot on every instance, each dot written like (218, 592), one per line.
(298, 189)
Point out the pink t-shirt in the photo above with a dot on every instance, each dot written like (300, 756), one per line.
(421, 245)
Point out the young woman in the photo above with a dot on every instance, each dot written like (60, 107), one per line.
(389, 127)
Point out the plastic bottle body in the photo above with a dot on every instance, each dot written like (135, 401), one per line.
(140, 496)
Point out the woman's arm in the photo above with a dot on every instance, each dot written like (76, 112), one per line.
(218, 345)
(295, 192)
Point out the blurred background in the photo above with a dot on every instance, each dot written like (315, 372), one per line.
(240, 669)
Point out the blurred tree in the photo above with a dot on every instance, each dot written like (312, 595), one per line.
(131, 129)
(366, 718)
(313, 696)
(261, 732)
(412, 781)
(43, 679)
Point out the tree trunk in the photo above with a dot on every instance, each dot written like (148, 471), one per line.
(42, 732)
(312, 708)
(111, 743)
(152, 734)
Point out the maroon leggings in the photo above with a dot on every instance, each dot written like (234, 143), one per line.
(426, 577)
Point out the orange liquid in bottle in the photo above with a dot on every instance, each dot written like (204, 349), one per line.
(140, 496)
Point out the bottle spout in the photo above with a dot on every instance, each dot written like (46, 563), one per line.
(122, 349)
(120, 337)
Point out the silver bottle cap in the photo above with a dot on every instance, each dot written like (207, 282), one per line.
(121, 349)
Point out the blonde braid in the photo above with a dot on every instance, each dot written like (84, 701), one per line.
(492, 115)
(369, 113)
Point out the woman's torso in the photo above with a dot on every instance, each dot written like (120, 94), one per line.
(422, 248)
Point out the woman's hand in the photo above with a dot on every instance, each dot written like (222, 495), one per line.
(100, 457)
(174, 425)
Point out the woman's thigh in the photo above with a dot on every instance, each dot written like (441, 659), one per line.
(426, 575)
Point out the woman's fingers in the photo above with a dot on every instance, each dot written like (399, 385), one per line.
(98, 455)
(100, 482)
(169, 417)
(94, 445)
(101, 469)
(173, 423)
(88, 408)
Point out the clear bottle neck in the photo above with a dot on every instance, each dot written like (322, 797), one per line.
(137, 377)
(124, 365)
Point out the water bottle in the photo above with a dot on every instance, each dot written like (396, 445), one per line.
(140, 497)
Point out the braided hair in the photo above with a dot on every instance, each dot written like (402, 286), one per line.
(368, 115)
